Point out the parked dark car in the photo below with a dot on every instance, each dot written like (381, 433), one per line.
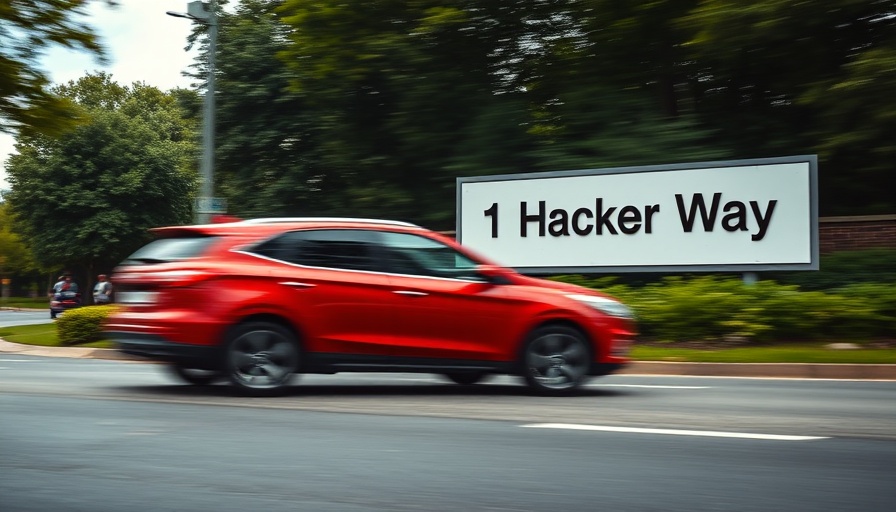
(63, 301)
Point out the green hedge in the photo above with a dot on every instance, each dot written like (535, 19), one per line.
(82, 325)
(844, 268)
(836, 270)
(722, 309)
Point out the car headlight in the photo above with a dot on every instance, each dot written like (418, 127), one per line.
(605, 305)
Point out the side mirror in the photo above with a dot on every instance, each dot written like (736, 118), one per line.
(492, 274)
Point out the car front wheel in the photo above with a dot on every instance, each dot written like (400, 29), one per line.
(556, 359)
(261, 357)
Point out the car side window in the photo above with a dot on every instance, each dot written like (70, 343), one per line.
(405, 253)
(350, 249)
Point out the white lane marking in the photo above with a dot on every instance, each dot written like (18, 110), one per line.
(657, 386)
(19, 360)
(673, 432)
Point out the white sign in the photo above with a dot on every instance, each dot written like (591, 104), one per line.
(740, 215)
(211, 205)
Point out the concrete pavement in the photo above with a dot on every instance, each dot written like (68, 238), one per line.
(768, 370)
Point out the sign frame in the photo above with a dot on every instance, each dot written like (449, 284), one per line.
(728, 165)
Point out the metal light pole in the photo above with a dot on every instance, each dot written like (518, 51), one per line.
(206, 204)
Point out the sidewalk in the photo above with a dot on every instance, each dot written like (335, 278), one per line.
(768, 370)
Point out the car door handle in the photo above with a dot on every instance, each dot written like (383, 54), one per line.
(409, 293)
(296, 284)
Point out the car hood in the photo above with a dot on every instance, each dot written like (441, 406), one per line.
(558, 287)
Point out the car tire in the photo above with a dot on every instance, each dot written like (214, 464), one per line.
(465, 378)
(555, 360)
(260, 358)
(194, 376)
(52, 314)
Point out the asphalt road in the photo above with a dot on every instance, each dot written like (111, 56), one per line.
(9, 318)
(109, 436)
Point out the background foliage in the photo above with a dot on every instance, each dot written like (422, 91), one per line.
(86, 200)
(374, 108)
(27, 29)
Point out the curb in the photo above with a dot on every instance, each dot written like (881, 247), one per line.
(766, 370)
(7, 347)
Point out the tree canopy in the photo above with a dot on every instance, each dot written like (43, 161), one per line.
(15, 256)
(87, 198)
(374, 108)
(27, 29)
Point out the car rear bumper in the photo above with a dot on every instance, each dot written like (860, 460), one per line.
(157, 348)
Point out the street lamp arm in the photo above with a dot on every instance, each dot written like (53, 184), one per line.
(180, 15)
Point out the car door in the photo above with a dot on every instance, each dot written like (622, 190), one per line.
(443, 309)
(345, 306)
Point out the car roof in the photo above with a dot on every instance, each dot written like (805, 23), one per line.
(271, 225)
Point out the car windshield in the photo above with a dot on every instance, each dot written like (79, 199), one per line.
(170, 249)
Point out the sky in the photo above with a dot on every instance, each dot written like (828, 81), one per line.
(142, 43)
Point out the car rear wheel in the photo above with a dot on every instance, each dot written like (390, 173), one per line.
(261, 358)
(556, 359)
(194, 376)
(465, 378)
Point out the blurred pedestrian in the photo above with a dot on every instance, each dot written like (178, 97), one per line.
(68, 285)
(58, 286)
(102, 292)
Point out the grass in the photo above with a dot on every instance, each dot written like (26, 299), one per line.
(25, 302)
(45, 335)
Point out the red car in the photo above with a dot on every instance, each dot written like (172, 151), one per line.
(257, 301)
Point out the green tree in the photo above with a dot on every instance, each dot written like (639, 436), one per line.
(812, 77)
(27, 29)
(86, 199)
(374, 108)
(15, 257)
(600, 128)
(266, 147)
(408, 95)
(416, 93)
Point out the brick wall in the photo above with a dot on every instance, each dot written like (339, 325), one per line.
(861, 232)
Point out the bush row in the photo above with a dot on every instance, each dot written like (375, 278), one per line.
(724, 309)
(706, 308)
(837, 270)
(845, 268)
(82, 325)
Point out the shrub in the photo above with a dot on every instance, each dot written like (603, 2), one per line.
(82, 325)
(883, 297)
(844, 268)
(714, 308)
(836, 270)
